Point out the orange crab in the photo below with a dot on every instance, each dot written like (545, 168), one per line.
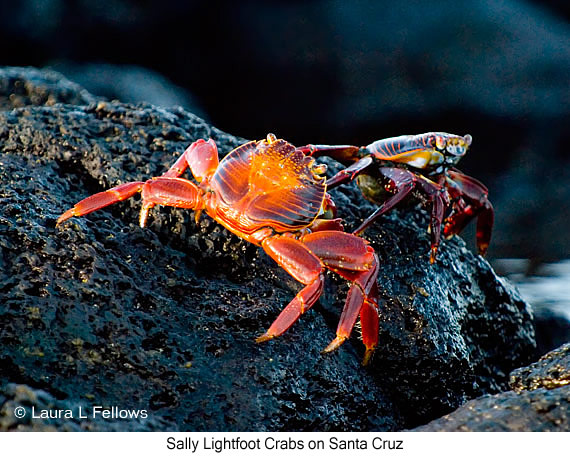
(272, 195)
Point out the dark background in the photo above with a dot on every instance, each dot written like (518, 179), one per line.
(342, 72)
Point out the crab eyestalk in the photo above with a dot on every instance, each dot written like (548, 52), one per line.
(455, 147)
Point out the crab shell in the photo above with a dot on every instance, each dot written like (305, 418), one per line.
(421, 151)
(267, 183)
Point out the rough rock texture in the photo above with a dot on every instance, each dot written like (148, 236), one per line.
(539, 410)
(29, 86)
(101, 312)
(540, 401)
(39, 404)
(550, 371)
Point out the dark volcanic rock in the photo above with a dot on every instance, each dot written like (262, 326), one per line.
(550, 371)
(162, 319)
(540, 401)
(101, 312)
(448, 323)
(539, 410)
(29, 86)
(42, 411)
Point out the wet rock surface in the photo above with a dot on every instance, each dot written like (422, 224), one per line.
(540, 401)
(99, 311)
(550, 371)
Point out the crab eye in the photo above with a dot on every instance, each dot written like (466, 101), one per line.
(457, 146)
(440, 143)
(320, 169)
(455, 150)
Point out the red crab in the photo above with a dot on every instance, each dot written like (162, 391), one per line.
(390, 169)
(272, 195)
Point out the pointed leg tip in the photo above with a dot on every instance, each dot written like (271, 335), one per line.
(337, 342)
(433, 255)
(264, 338)
(368, 356)
(63, 217)
(358, 231)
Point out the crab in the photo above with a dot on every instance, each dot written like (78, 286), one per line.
(422, 166)
(271, 194)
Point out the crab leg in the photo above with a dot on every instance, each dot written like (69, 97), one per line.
(166, 191)
(404, 188)
(201, 157)
(342, 154)
(369, 323)
(359, 302)
(170, 191)
(352, 258)
(485, 222)
(102, 199)
(305, 260)
(401, 182)
(305, 267)
(478, 205)
(348, 174)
